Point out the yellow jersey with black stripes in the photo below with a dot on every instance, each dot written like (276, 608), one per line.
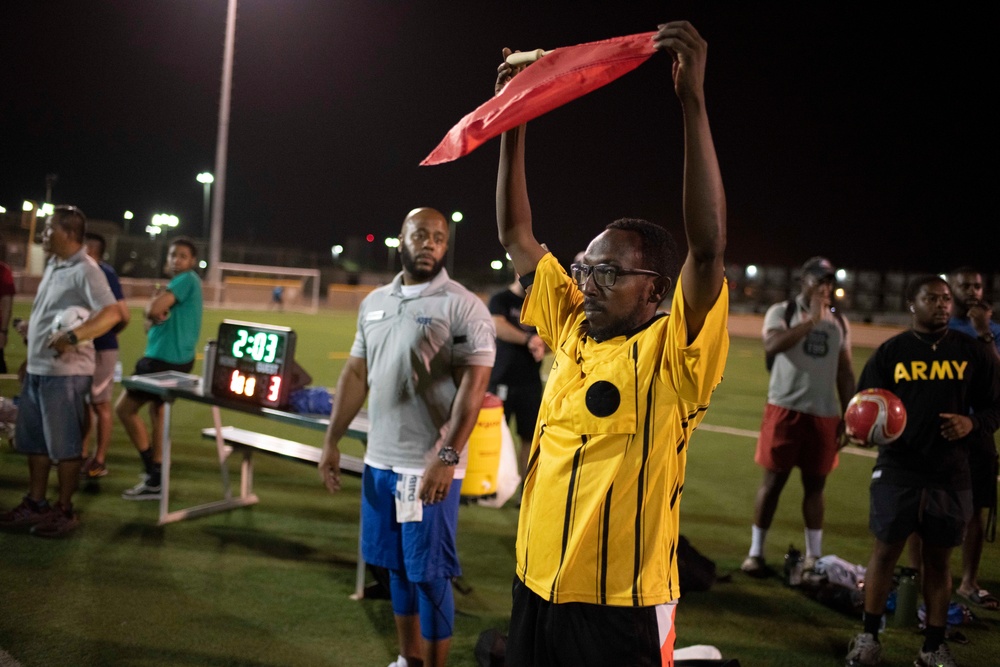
(602, 489)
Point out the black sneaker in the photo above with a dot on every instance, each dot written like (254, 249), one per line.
(143, 491)
(59, 523)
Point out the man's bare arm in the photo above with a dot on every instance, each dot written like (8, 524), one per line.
(472, 383)
(514, 224)
(349, 396)
(704, 197)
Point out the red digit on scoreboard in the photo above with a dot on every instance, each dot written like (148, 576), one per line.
(275, 389)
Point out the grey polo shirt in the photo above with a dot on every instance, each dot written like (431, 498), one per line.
(75, 281)
(411, 346)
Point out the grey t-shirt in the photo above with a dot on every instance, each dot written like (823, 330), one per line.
(804, 377)
(76, 281)
(412, 345)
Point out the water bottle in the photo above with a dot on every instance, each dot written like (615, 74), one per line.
(793, 566)
(905, 615)
(118, 371)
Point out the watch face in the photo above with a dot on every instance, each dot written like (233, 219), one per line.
(448, 456)
(252, 362)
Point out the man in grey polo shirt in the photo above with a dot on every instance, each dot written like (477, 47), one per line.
(73, 305)
(422, 355)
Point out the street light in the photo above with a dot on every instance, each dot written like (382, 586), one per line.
(391, 242)
(206, 179)
(128, 215)
(456, 218)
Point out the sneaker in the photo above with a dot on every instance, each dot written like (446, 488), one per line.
(143, 491)
(96, 470)
(863, 651)
(809, 563)
(940, 658)
(755, 567)
(400, 661)
(28, 513)
(59, 523)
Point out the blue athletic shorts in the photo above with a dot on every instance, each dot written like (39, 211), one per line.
(423, 550)
(51, 415)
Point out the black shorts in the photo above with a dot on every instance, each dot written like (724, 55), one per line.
(521, 402)
(983, 461)
(574, 634)
(937, 513)
(148, 365)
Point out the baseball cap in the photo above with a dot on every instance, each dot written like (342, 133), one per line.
(820, 267)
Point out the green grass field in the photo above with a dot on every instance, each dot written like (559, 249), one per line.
(269, 585)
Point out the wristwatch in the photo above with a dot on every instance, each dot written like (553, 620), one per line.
(448, 456)
(988, 337)
(71, 337)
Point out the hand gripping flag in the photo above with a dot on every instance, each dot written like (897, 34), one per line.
(561, 76)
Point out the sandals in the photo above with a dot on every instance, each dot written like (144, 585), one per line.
(983, 598)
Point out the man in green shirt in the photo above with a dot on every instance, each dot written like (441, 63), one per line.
(173, 325)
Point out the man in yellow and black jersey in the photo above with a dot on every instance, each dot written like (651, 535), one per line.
(921, 483)
(596, 570)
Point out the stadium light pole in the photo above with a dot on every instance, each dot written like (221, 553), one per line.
(215, 235)
(206, 179)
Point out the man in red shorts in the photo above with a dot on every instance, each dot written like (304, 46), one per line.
(811, 345)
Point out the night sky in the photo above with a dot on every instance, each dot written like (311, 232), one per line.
(860, 137)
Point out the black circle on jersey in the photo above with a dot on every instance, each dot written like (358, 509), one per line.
(603, 398)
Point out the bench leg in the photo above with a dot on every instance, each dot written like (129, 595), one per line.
(359, 574)
(223, 452)
(165, 454)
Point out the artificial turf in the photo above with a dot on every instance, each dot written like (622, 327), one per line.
(269, 585)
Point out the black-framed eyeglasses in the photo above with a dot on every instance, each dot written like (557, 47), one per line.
(605, 275)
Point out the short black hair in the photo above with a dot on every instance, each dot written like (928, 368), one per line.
(658, 247)
(187, 243)
(914, 285)
(71, 219)
(96, 238)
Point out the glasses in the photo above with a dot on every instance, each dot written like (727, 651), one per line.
(605, 275)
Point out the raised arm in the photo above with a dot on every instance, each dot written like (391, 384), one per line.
(704, 198)
(513, 209)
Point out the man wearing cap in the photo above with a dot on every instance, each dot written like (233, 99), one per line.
(803, 421)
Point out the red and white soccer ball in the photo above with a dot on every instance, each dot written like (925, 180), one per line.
(875, 417)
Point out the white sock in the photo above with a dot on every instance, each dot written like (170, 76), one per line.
(757, 537)
(814, 543)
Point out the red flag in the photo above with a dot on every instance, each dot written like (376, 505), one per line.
(560, 77)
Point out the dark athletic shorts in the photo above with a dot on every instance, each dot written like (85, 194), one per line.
(148, 365)
(574, 634)
(522, 403)
(937, 513)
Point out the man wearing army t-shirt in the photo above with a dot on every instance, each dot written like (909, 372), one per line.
(950, 385)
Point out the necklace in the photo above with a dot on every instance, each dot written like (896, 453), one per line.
(933, 344)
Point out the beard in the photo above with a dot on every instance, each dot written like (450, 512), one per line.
(419, 274)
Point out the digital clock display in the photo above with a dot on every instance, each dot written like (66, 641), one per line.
(252, 363)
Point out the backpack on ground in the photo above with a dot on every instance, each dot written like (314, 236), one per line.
(696, 571)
